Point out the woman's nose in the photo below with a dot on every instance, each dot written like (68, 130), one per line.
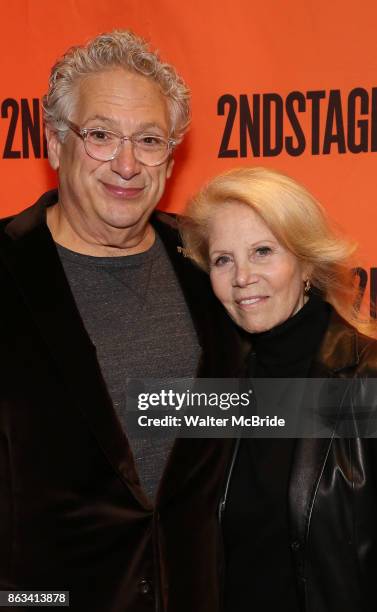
(244, 274)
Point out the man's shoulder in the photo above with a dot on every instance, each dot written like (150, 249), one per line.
(4, 222)
(166, 221)
(21, 223)
(167, 227)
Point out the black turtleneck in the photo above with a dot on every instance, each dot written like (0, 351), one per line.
(259, 571)
(286, 351)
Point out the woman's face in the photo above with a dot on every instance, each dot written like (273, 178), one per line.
(256, 278)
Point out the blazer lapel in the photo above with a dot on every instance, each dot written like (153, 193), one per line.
(30, 255)
(195, 463)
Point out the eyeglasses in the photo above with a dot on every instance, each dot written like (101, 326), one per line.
(104, 145)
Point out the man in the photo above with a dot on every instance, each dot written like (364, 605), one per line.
(94, 292)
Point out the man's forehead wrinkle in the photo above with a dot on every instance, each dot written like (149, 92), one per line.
(123, 92)
(117, 99)
(108, 106)
(108, 118)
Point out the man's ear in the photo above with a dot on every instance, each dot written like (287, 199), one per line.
(53, 147)
(169, 168)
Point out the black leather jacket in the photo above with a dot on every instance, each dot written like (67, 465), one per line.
(333, 494)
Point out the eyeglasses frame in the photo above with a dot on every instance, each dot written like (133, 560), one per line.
(83, 134)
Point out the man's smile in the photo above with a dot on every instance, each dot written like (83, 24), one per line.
(126, 193)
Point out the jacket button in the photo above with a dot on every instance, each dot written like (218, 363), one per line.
(145, 586)
(295, 546)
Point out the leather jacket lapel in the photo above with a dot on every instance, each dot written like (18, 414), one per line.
(337, 358)
(309, 461)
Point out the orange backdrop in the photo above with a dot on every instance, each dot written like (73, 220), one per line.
(282, 83)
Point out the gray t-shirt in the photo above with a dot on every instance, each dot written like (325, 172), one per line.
(135, 314)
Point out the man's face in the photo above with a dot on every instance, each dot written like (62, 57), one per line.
(121, 193)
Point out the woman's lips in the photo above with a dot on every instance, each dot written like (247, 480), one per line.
(250, 302)
(124, 193)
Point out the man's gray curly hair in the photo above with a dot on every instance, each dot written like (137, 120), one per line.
(120, 48)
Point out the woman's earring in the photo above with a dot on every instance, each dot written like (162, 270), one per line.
(307, 286)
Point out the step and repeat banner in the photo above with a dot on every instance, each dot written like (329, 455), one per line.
(286, 84)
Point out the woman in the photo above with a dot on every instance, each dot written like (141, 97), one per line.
(299, 517)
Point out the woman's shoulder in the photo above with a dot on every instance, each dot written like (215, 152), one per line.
(344, 346)
(367, 353)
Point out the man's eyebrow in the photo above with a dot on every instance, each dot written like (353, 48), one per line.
(101, 118)
(150, 126)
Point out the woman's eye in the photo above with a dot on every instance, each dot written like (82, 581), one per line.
(262, 251)
(222, 260)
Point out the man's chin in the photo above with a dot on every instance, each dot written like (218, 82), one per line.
(125, 217)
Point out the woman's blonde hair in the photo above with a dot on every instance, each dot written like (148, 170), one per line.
(296, 219)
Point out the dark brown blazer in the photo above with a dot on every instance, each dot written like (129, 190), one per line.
(72, 514)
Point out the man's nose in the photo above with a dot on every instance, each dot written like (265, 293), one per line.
(125, 163)
(244, 274)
